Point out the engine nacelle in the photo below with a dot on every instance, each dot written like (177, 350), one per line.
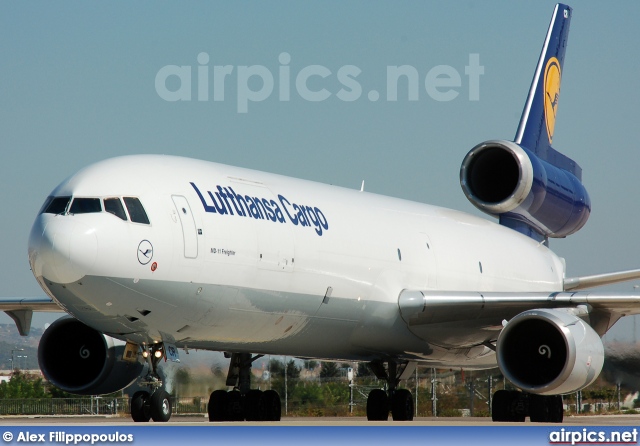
(81, 360)
(549, 352)
(506, 180)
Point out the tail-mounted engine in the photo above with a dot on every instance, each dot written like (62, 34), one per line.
(81, 360)
(505, 180)
(549, 352)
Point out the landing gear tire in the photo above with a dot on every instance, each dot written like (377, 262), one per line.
(546, 409)
(377, 406)
(402, 405)
(506, 406)
(252, 405)
(140, 410)
(556, 409)
(160, 406)
(234, 406)
(500, 406)
(269, 407)
(256, 405)
(217, 406)
(538, 412)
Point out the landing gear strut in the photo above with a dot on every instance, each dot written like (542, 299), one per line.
(397, 401)
(243, 403)
(514, 406)
(156, 403)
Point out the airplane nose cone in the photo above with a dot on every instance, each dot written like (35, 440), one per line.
(62, 250)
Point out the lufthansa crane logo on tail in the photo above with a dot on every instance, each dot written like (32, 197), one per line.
(552, 76)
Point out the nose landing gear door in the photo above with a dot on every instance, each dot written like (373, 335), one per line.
(189, 231)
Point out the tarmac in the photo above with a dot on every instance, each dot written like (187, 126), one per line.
(201, 420)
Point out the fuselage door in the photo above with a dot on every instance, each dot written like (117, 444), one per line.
(188, 224)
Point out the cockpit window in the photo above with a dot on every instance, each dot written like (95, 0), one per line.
(114, 206)
(55, 205)
(136, 210)
(85, 206)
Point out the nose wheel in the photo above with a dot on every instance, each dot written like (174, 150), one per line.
(156, 406)
(140, 409)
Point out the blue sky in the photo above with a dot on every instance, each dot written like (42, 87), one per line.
(78, 86)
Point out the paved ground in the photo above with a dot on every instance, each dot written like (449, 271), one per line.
(592, 420)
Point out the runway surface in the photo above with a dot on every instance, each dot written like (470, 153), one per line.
(587, 420)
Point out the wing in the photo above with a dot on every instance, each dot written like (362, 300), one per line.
(21, 309)
(580, 283)
(473, 318)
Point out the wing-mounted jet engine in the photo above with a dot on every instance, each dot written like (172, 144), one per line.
(549, 352)
(78, 359)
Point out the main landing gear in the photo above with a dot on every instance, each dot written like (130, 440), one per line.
(397, 401)
(243, 403)
(155, 404)
(514, 406)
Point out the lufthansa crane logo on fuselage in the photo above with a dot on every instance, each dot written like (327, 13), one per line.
(552, 76)
(145, 252)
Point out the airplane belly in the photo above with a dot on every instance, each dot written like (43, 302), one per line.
(245, 320)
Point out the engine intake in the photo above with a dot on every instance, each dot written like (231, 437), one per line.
(508, 181)
(81, 360)
(549, 352)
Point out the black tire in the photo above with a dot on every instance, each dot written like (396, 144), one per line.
(140, 412)
(377, 405)
(402, 405)
(556, 409)
(538, 409)
(252, 405)
(160, 405)
(270, 408)
(235, 411)
(217, 407)
(546, 409)
(517, 412)
(500, 406)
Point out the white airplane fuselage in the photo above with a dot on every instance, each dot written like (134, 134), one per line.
(246, 261)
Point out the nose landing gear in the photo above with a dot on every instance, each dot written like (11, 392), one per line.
(154, 404)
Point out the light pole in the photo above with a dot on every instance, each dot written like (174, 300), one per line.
(12, 351)
(434, 396)
(286, 391)
(350, 378)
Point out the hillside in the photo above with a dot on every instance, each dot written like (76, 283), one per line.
(11, 340)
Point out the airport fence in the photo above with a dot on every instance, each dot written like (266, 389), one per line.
(90, 406)
(444, 394)
(64, 406)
